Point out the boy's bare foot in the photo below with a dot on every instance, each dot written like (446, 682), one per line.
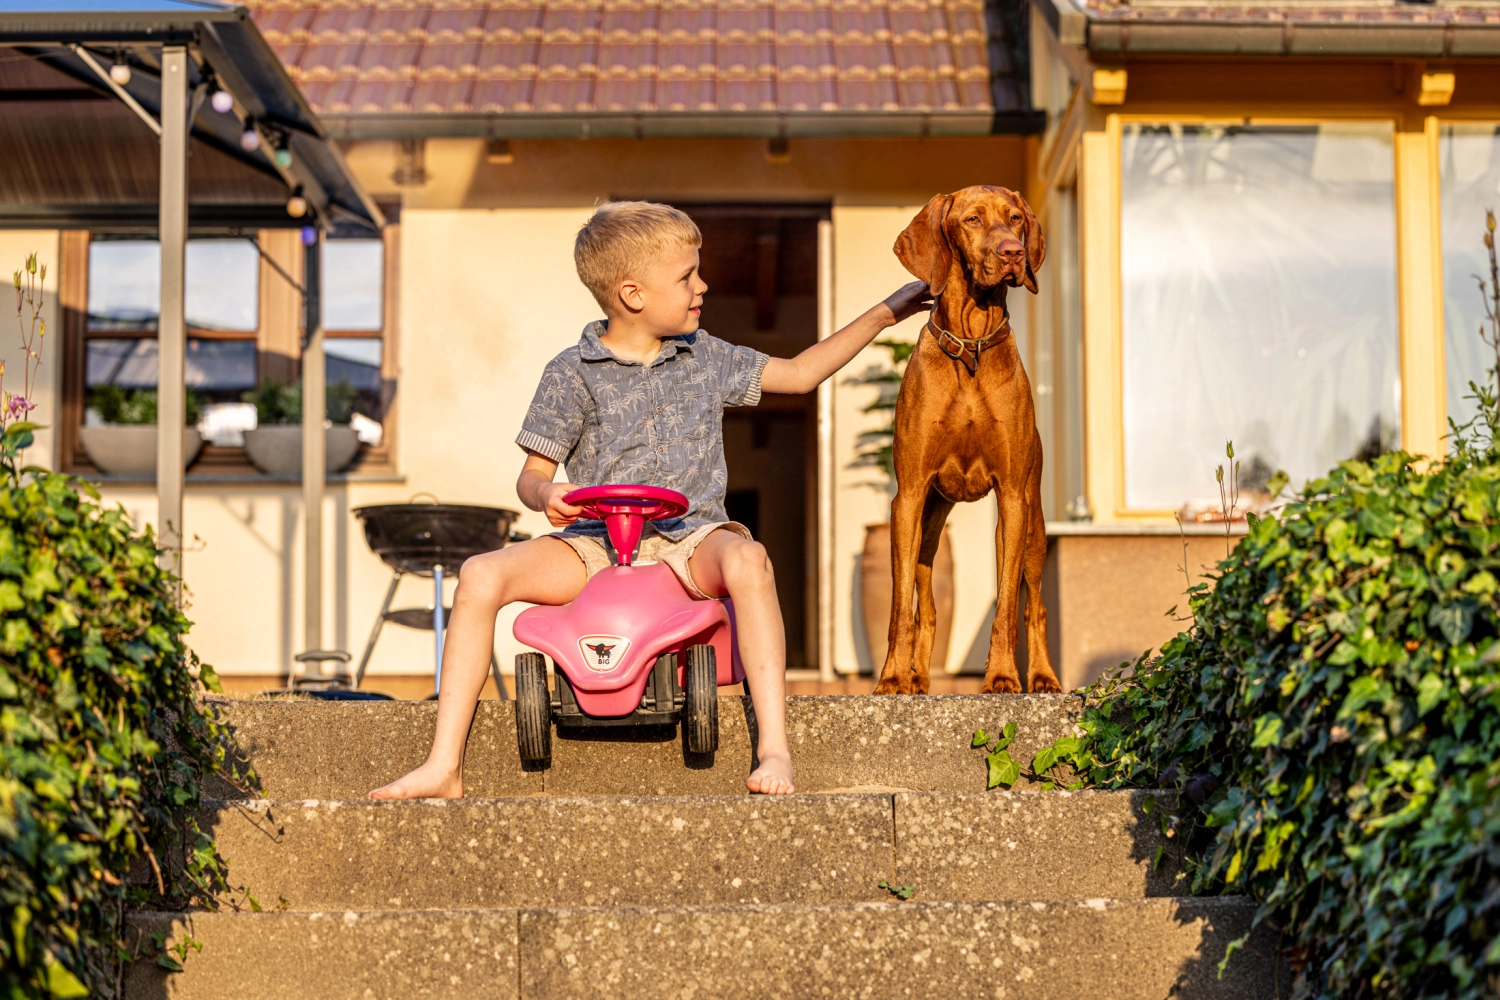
(426, 782)
(773, 777)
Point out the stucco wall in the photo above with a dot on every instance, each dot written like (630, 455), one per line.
(487, 296)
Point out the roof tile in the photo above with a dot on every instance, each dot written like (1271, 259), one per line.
(516, 56)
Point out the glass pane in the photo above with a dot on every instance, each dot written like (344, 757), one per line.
(1258, 270)
(356, 360)
(124, 284)
(223, 285)
(353, 284)
(1469, 161)
(218, 370)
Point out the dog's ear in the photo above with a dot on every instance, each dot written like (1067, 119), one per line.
(923, 247)
(1036, 244)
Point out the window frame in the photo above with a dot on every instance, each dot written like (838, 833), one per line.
(1418, 291)
(278, 355)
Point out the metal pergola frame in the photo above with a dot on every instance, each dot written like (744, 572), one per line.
(179, 51)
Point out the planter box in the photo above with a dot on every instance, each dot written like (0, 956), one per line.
(277, 450)
(130, 449)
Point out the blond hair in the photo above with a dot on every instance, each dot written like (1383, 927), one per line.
(622, 238)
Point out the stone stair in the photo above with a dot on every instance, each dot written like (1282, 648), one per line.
(634, 870)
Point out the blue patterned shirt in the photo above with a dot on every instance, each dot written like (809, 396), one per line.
(615, 421)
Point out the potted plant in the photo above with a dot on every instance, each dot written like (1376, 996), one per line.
(275, 445)
(119, 432)
(875, 574)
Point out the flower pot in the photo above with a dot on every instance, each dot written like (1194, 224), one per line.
(130, 449)
(276, 450)
(876, 588)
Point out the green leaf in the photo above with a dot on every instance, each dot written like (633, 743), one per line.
(1003, 770)
(1006, 736)
(1267, 731)
(1455, 621)
(980, 738)
(62, 983)
(1429, 692)
(1045, 760)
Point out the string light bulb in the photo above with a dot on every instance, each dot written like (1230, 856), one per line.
(222, 101)
(120, 71)
(283, 158)
(249, 139)
(296, 206)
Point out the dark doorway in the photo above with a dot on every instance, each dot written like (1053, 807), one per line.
(761, 266)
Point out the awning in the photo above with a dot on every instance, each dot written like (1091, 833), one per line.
(80, 154)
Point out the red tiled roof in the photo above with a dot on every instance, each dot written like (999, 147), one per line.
(587, 56)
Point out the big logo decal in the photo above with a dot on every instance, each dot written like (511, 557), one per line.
(603, 652)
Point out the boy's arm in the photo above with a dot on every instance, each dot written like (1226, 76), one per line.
(537, 490)
(804, 372)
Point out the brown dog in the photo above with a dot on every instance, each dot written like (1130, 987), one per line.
(965, 425)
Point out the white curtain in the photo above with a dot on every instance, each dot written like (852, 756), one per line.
(1259, 303)
(1469, 161)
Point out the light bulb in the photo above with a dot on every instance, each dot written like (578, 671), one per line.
(249, 140)
(296, 206)
(120, 73)
(222, 101)
(283, 158)
(309, 236)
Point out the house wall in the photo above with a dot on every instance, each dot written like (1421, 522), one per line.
(487, 295)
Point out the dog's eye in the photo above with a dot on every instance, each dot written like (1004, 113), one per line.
(972, 220)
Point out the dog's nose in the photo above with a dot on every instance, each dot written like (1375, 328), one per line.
(1011, 251)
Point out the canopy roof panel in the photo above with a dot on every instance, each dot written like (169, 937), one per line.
(87, 158)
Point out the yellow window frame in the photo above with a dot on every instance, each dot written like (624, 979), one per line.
(1419, 295)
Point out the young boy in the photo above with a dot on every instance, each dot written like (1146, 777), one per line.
(640, 399)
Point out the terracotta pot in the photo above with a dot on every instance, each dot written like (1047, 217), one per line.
(276, 450)
(876, 589)
(130, 449)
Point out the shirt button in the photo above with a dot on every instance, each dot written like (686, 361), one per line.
(658, 409)
(661, 451)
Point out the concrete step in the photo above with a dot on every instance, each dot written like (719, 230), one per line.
(696, 850)
(340, 750)
(1123, 950)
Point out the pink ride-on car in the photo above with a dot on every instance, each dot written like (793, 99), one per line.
(633, 649)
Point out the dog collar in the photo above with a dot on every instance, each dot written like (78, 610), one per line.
(962, 349)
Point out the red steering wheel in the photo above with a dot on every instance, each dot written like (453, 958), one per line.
(650, 502)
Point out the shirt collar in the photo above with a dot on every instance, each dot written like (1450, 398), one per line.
(591, 348)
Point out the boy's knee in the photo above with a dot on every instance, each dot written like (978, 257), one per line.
(481, 574)
(748, 564)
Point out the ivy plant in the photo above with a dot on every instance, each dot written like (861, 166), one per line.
(103, 738)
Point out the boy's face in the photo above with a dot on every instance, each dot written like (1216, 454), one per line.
(668, 298)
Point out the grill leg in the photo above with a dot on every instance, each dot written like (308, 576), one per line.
(500, 691)
(437, 628)
(364, 661)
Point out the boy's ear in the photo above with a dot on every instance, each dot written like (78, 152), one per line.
(628, 295)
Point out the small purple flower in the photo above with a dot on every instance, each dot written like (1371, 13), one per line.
(18, 406)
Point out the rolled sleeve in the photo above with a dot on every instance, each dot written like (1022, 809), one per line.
(739, 371)
(554, 423)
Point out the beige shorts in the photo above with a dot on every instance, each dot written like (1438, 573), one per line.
(597, 553)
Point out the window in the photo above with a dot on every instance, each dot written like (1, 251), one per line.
(1469, 165)
(353, 318)
(1259, 303)
(244, 325)
(222, 305)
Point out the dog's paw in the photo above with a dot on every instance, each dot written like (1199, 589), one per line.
(889, 685)
(1000, 684)
(1045, 684)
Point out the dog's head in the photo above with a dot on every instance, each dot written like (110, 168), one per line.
(990, 232)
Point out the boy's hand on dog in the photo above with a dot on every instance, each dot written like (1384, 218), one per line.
(560, 514)
(908, 300)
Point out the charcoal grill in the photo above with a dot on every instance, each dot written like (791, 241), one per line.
(431, 540)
